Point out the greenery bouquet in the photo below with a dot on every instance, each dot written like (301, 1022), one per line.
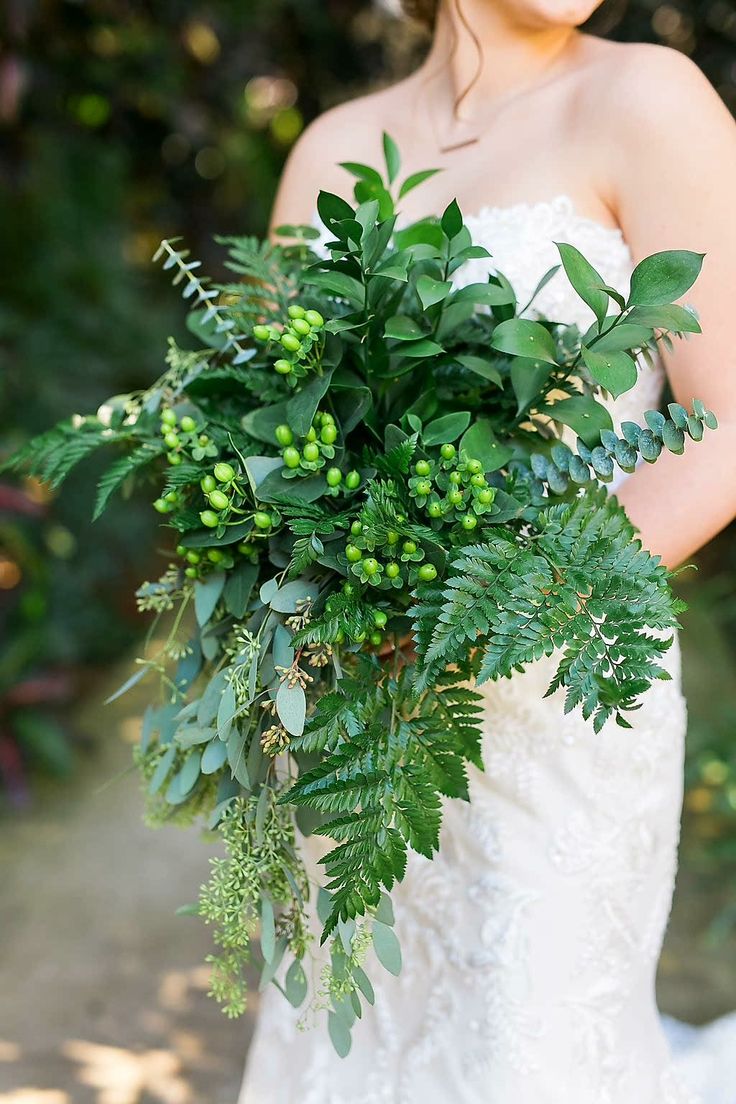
(360, 451)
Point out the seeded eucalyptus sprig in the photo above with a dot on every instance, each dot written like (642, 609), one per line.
(363, 454)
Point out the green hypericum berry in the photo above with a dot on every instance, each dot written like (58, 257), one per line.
(424, 487)
(208, 483)
(291, 343)
(328, 434)
(380, 617)
(327, 418)
(422, 467)
(311, 435)
(455, 478)
(214, 555)
(370, 566)
(427, 573)
(284, 435)
(352, 480)
(468, 521)
(448, 452)
(172, 497)
(376, 638)
(359, 637)
(209, 519)
(168, 417)
(348, 589)
(174, 459)
(181, 550)
(409, 547)
(311, 451)
(455, 496)
(261, 333)
(191, 573)
(245, 549)
(392, 537)
(356, 528)
(171, 440)
(301, 327)
(353, 554)
(203, 439)
(188, 424)
(434, 509)
(486, 496)
(334, 477)
(283, 367)
(161, 506)
(224, 473)
(392, 569)
(262, 520)
(295, 311)
(193, 557)
(474, 467)
(218, 500)
(292, 457)
(478, 480)
(315, 319)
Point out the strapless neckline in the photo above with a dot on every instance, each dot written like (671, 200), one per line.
(560, 206)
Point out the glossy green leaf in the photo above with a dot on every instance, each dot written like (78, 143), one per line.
(615, 371)
(664, 277)
(522, 337)
(392, 156)
(481, 367)
(583, 415)
(432, 291)
(480, 443)
(447, 428)
(586, 281)
(415, 180)
(403, 328)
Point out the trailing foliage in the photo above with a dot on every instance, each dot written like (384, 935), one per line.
(365, 452)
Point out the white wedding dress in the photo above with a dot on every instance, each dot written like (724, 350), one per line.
(530, 943)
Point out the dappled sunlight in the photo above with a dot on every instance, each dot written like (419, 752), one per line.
(35, 1096)
(9, 1052)
(123, 1076)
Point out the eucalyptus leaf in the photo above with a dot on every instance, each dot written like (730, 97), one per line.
(207, 593)
(291, 706)
(387, 948)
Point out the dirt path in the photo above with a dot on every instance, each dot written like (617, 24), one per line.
(102, 988)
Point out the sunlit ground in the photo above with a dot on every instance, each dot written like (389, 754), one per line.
(102, 988)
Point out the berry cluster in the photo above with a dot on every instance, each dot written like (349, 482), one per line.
(301, 337)
(313, 451)
(226, 498)
(184, 439)
(375, 638)
(400, 566)
(452, 489)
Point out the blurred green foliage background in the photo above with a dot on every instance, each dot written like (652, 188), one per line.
(123, 122)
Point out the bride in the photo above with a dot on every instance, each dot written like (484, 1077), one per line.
(531, 942)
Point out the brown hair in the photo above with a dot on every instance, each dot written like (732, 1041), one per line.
(424, 11)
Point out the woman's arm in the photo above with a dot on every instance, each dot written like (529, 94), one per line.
(675, 148)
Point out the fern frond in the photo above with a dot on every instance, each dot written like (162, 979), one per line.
(51, 456)
(118, 472)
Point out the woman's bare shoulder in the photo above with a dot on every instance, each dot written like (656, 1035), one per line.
(349, 132)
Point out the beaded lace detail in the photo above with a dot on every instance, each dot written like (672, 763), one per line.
(530, 943)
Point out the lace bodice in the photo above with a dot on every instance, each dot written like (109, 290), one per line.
(530, 942)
